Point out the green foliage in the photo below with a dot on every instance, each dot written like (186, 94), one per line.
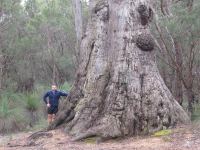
(11, 117)
(5, 111)
(39, 34)
(65, 87)
(183, 25)
(32, 102)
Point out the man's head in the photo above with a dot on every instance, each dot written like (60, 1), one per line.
(53, 87)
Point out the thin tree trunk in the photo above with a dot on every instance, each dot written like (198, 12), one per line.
(190, 5)
(178, 81)
(188, 84)
(54, 74)
(165, 7)
(165, 60)
(90, 6)
(190, 97)
(52, 54)
(77, 7)
(1, 71)
(178, 89)
(172, 81)
(118, 90)
(188, 79)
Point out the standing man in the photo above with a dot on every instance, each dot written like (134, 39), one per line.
(52, 102)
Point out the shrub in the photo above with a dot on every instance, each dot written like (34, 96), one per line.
(11, 117)
(32, 102)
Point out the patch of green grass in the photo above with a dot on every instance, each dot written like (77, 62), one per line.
(91, 140)
(162, 133)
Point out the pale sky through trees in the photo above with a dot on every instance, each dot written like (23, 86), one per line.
(23, 1)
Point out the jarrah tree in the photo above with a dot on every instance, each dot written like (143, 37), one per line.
(118, 90)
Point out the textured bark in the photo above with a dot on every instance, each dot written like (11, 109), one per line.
(118, 90)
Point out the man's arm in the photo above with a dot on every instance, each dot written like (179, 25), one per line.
(45, 97)
(63, 93)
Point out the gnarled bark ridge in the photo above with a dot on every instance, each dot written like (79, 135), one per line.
(118, 90)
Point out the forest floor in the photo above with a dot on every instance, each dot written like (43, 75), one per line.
(181, 138)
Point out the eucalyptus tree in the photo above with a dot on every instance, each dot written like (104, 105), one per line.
(118, 90)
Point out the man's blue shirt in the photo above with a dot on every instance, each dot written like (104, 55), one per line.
(54, 97)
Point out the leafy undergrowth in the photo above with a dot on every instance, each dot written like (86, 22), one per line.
(20, 112)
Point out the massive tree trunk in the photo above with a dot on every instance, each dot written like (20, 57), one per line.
(118, 89)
